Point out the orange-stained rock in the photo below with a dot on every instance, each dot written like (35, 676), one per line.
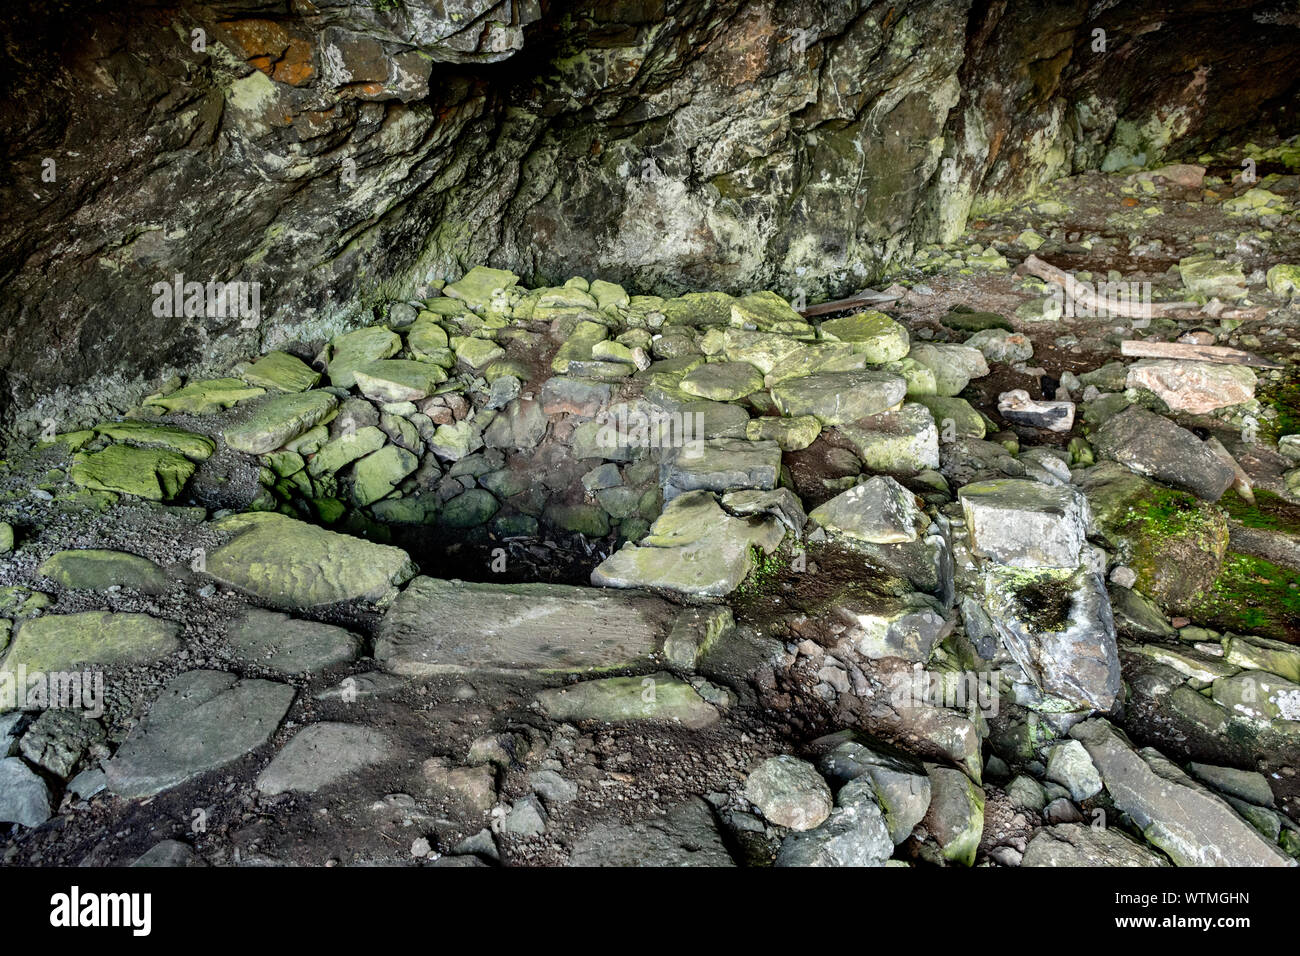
(296, 67)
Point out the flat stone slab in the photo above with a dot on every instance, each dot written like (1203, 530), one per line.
(722, 381)
(694, 547)
(1196, 387)
(398, 380)
(658, 696)
(1078, 844)
(190, 444)
(352, 349)
(684, 836)
(292, 564)
(153, 473)
(98, 570)
(320, 755)
(281, 372)
(62, 642)
(203, 720)
(1178, 815)
(438, 626)
(835, 398)
(720, 464)
(291, 646)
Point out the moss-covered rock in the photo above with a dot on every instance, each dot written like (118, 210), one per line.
(153, 473)
(873, 334)
(206, 397)
(290, 563)
(64, 642)
(279, 421)
(1173, 541)
(191, 445)
(97, 570)
(281, 372)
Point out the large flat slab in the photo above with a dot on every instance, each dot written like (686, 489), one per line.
(437, 627)
(202, 720)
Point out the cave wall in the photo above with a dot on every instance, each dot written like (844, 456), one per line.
(342, 154)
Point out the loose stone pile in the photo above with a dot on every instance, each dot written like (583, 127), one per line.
(974, 613)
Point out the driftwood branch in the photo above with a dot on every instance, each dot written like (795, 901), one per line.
(862, 301)
(1086, 297)
(1196, 353)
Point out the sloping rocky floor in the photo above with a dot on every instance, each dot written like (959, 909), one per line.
(563, 575)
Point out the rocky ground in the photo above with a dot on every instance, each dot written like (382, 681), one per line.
(567, 575)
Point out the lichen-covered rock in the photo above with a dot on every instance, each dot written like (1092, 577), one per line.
(281, 372)
(1025, 523)
(901, 442)
(694, 547)
(397, 380)
(722, 381)
(720, 464)
(359, 347)
(879, 511)
(206, 396)
(790, 434)
(872, 334)
(953, 365)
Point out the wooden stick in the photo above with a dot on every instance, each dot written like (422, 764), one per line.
(1197, 353)
(852, 302)
(1090, 300)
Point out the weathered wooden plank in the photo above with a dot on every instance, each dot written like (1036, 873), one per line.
(1135, 348)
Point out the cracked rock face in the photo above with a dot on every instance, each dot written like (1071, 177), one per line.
(318, 152)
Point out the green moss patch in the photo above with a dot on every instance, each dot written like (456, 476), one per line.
(1270, 512)
(1253, 596)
